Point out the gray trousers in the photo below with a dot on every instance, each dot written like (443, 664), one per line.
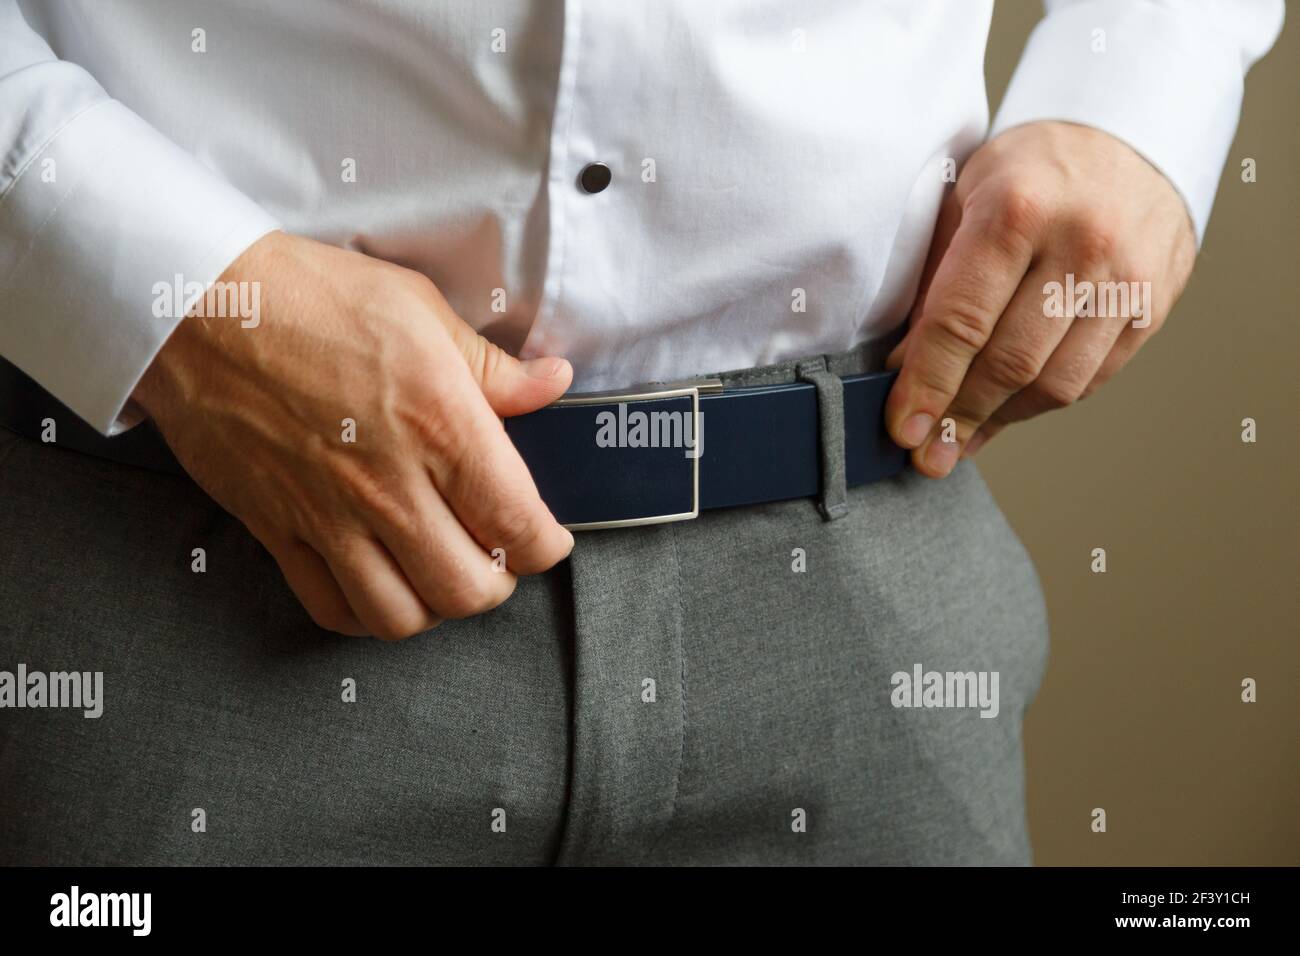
(719, 691)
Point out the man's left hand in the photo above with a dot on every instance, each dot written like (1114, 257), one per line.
(987, 344)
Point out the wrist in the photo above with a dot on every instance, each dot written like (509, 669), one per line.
(168, 378)
(152, 392)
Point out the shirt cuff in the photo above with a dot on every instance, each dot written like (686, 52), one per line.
(100, 220)
(1165, 85)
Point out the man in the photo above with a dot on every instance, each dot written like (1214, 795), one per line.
(426, 218)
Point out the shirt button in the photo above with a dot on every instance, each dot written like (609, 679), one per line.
(595, 177)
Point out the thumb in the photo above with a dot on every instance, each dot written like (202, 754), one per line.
(510, 386)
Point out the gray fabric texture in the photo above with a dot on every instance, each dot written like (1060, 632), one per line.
(833, 502)
(772, 694)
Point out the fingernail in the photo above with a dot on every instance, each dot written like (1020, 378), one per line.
(916, 428)
(547, 367)
(942, 456)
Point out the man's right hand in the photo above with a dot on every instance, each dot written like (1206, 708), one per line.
(390, 533)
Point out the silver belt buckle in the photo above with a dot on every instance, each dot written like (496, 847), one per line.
(691, 389)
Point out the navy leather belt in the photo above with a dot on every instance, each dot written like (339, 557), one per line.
(746, 445)
(650, 455)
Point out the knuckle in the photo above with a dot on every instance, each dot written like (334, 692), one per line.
(964, 324)
(401, 625)
(476, 355)
(435, 433)
(1018, 211)
(1093, 241)
(473, 594)
(485, 359)
(518, 525)
(934, 383)
(1011, 368)
(374, 493)
(333, 536)
(493, 359)
(332, 620)
(1057, 393)
(541, 552)
(397, 287)
(416, 282)
(463, 462)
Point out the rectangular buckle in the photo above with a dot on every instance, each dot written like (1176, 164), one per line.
(640, 393)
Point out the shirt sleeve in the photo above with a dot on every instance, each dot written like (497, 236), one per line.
(1164, 76)
(96, 209)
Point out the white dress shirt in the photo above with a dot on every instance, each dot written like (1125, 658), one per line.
(777, 166)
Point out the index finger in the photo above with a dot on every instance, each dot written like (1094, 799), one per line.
(481, 476)
(988, 256)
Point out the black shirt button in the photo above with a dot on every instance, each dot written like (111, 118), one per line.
(595, 177)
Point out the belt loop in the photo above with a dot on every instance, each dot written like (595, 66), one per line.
(834, 501)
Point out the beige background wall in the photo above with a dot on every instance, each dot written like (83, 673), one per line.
(1141, 709)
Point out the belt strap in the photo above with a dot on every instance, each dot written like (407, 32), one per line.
(662, 453)
(759, 444)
